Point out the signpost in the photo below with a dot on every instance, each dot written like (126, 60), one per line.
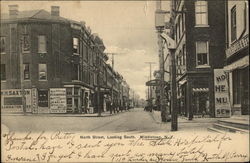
(222, 104)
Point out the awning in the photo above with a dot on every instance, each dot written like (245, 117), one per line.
(200, 89)
(182, 82)
(241, 63)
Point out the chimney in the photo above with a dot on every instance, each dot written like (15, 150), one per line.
(55, 10)
(13, 11)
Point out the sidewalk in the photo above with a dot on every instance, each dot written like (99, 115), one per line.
(103, 114)
(197, 124)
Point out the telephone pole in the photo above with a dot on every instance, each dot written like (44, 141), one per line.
(150, 77)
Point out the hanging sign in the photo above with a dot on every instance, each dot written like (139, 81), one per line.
(222, 103)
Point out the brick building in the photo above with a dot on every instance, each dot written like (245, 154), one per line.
(200, 48)
(57, 61)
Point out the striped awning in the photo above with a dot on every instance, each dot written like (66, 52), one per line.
(200, 89)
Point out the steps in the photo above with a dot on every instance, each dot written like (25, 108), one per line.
(234, 125)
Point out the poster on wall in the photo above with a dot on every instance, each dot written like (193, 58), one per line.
(34, 100)
(58, 102)
(221, 94)
(11, 100)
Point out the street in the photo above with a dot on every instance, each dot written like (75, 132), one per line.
(133, 121)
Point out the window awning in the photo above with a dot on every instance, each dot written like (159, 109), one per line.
(241, 63)
(200, 89)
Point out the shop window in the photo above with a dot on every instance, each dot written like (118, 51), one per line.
(233, 24)
(25, 43)
(3, 45)
(202, 53)
(76, 49)
(42, 72)
(42, 44)
(3, 72)
(76, 91)
(26, 71)
(201, 15)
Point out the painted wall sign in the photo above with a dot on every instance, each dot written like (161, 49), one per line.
(58, 102)
(11, 100)
(222, 103)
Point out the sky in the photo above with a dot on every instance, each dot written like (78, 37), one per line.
(126, 27)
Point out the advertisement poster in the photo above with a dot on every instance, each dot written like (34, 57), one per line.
(58, 100)
(222, 103)
(11, 100)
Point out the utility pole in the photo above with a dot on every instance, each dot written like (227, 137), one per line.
(160, 26)
(150, 78)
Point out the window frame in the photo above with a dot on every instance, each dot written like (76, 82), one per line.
(78, 46)
(203, 65)
(233, 26)
(201, 13)
(24, 71)
(28, 38)
(5, 74)
(39, 50)
(46, 72)
(4, 52)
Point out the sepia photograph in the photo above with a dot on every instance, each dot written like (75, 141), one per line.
(124, 81)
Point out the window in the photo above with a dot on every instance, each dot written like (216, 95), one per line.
(202, 53)
(201, 12)
(42, 72)
(42, 44)
(3, 72)
(75, 72)
(233, 23)
(26, 71)
(75, 45)
(25, 43)
(3, 45)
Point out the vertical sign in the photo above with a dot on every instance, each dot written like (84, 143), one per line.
(34, 100)
(58, 102)
(222, 104)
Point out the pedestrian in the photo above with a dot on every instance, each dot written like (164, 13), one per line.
(86, 100)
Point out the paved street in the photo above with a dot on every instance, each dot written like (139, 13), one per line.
(135, 120)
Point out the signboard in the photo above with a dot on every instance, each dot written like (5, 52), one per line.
(222, 103)
(11, 100)
(58, 102)
(34, 100)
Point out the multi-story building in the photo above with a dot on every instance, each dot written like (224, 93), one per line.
(237, 55)
(200, 48)
(56, 60)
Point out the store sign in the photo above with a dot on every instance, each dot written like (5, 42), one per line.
(237, 46)
(11, 100)
(222, 103)
(58, 102)
(34, 100)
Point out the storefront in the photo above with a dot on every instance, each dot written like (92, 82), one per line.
(195, 96)
(238, 70)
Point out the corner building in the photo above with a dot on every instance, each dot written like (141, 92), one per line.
(52, 57)
(200, 48)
